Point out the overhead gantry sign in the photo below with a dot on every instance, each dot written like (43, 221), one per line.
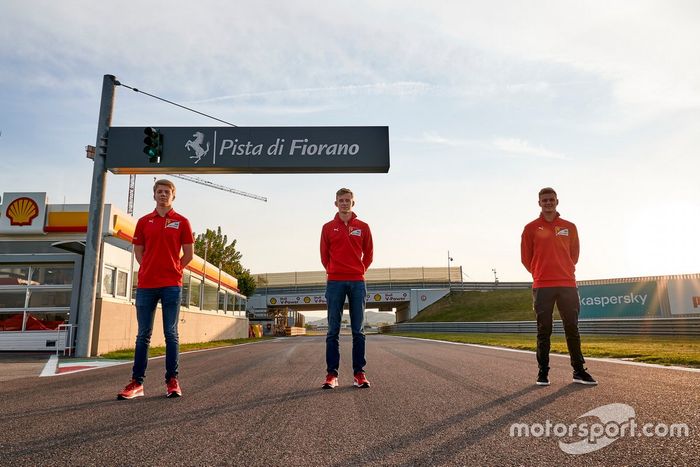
(248, 150)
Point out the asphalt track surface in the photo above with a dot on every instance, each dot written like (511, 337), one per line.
(430, 403)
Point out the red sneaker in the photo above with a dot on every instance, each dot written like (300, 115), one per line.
(133, 389)
(361, 380)
(331, 381)
(173, 388)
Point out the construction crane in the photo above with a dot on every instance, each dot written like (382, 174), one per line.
(90, 154)
(201, 181)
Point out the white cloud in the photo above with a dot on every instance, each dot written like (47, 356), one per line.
(519, 147)
(394, 89)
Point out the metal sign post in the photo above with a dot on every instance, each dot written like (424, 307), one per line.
(93, 244)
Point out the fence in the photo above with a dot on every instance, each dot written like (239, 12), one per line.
(635, 327)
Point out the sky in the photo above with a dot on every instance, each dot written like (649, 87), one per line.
(486, 103)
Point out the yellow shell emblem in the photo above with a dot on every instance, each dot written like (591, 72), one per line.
(22, 211)
(273, 301)
(377, 297)
(307, 299)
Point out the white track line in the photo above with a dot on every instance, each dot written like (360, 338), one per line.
(50, 367)
(597, 359)
(51, 370)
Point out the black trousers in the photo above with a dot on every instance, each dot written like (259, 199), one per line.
(567, 301)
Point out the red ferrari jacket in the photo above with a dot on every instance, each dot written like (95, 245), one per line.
(549, 250)
(346, 250)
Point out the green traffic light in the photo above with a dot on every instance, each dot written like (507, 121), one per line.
(153, 144)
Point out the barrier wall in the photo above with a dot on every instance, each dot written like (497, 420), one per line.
(116, 326)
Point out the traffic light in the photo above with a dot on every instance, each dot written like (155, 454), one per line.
(153, 144)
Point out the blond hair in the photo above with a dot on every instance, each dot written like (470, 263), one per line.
(344, 191)
(164, 182)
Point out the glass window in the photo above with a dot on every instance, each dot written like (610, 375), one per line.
(134, 284)
(184, 297)
(49, 298)
(230, 301)
(13, 274)
(222, 300)
(11, 322)
(122, 281)
(240, 303)
(52, 274)
(45, 321)
(12, 298)
(211, 297)
(195, 286)
(108, 280)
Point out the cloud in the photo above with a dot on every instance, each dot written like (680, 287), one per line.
(519, 147)
(396, 89)
(509, 146)
(434, 138)
(643, 50)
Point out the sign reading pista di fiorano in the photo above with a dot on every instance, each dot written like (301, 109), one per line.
(252, 150)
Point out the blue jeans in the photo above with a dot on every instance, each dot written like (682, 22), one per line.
(146, 301)
(356, 292)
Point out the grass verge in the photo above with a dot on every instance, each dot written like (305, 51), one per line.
(128, 354)
(663, 350)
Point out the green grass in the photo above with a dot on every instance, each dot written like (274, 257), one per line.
(128, 354)
(663, 350)
(496, 305)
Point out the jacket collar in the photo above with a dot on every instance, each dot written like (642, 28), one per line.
(556, 216)
(338, 219)
(169, 214)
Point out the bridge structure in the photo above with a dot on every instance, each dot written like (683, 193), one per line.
(405, 291)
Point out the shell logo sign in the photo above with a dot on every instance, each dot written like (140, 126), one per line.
(22, 211)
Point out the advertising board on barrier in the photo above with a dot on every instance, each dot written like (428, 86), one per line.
(381, 296)
(684, 296)
(624, 300)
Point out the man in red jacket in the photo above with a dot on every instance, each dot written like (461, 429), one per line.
(159, 238)
(549, 250)
(346, 253)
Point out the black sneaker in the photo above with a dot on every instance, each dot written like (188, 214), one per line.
(543, 378)
(582, 377)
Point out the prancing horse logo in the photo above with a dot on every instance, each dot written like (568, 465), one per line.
(196, 145)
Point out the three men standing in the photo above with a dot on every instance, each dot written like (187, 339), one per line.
(159, 238)
(549, 250)
(346, 253)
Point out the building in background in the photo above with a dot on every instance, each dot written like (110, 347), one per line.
(41, 260)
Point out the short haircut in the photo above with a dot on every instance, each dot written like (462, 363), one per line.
(547, 191)
(344, 191)
(163, 182)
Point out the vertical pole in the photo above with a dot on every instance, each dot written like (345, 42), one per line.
(449, 278)
(93, 243)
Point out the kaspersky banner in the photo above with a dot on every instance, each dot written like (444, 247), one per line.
(625, 300)
(684, 296)
(137, 150)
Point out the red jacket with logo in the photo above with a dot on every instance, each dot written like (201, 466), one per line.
(162, 239)
(346, 250)
(549, 250)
